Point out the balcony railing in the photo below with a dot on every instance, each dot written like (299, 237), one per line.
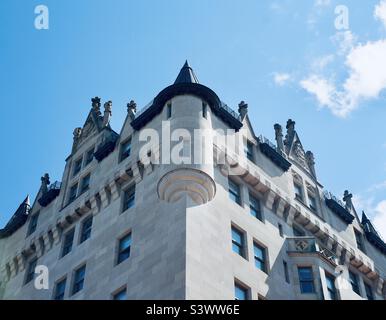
(233, 113)
(309, 245)
(338, 207)
(276, 155)
(53, 191)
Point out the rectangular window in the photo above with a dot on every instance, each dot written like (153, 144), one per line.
(86, 229)
(281, 232)
(354, 283)
(254, 207)
(312, 203)
(169, 111)
(79, 279)
(77, 167)
(359, 240)
(73, 192)
(67, 242)
(241, 292)
(260, 257)
(238, 242)
(330, 280)
(298, 192)
(60, 289)
(249, 150)
(306, 280)
(204, 110)
(125, 149)
(85, 184)
(124, 248)
(129, 198)
(120, 295)
(234, 192)
(89, 156)
(286, 273)
(33, 223)
(31, 270)
(369, 292)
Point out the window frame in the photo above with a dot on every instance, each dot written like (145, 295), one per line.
(121, 251)
(121, 290)
(129, 196)
(33, 223)
(369, 291)
(77, 168)
(310, 280)
(249, 150)
(71, 232)
(204, 110)
(354, 281)
(125, 152)
(169, 110)
(82, 237)
(231, 192)
(84, 188)
(253, 209)
(57, 283)
(242, 250)
(30, 271)
(71, 198)
(76, 283)
(299, 188)
(242, 288)
(332, 291)
(262, 260)
(88, 159)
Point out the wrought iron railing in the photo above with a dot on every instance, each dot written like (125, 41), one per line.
(55, 186)
(309, 245)
(330, 196)
(230, 111)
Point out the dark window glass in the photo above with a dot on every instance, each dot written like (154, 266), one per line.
(249, 150)
(306, 280)
(125, 149)
(238, 242)
(67, 242)
(330, 280)
(89, 156)
(79, 279)
(260, 257)
(60, 288)
(298, 192)
(241, 293)
(312, 202)
(85, 185)
(77, 166)
(121, 295)
(234, 192)
(73, 192)
(286, 274)
(369, 292)
(124, 248)
(129, 198)
(169, 111)
(31, 270)
(204, 110)
(86, 229)
(280, 230)
(33, 223)
(359, 240)
(354, 283)
(254, 207)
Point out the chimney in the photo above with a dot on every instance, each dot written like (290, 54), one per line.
(279, 136)
(243, 110)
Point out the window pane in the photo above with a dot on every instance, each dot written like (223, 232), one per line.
(124, 248)
(86, 229)
(254, 206)
(33, 223)
(306, 280)
(60, 290)
(121, 295)
(129, 198)
(369, 292)
(31, 270)
(79, 279)
(237, 242)
(125, 149)
(354, 283)
(241, 293)
(234, 192)
(77, 166)
(67, 244)
(89, 156)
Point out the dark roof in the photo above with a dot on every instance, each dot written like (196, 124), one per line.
(18, 219)
(372, 235)
(186, 75)
(187, 83)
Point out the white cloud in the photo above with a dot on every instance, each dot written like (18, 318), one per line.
(345, 40)
(378, 186)
(281, 78)
(366, 66)
(320, 63)
(380, 12)
(322, 3)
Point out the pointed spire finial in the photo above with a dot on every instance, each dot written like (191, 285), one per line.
(27, 200)
(186, 75)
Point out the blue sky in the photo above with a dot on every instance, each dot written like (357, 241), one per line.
(285, 58)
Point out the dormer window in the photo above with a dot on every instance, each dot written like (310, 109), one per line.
(298, 191)
(312, 203)
(125, 149)
(249, 150)
(33, 223)
(89, 156)
(77, 167)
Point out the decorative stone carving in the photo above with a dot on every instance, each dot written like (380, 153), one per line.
(132, 109)
(45, 182)
(243, 109)
(107, 114)
(96, 105)
(279, 136)
(194, 183)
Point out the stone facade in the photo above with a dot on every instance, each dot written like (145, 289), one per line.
(181, 219)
